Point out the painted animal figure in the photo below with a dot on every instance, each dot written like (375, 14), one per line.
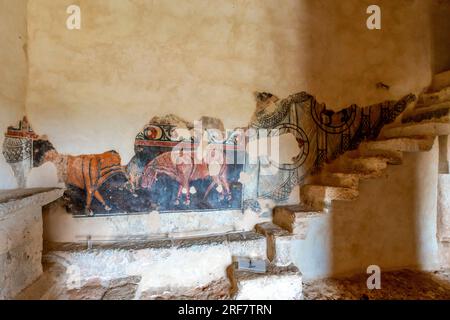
(87, 172)
(184, 173)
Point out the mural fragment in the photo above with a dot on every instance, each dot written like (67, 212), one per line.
(183, 166)
(321, 134)
(17, 150)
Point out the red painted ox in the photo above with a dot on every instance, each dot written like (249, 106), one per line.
(184, 172)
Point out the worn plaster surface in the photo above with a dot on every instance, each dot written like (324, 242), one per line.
(89, 89)
(13, 68)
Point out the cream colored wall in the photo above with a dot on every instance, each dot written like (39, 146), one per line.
(392, 224)
(93, 89)
(13, 71)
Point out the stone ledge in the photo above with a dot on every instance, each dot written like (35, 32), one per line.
(277, 283)
(294, 219)
(319, 196)
(14, 200)
(278, 243)
(167, 264)
(161, 243)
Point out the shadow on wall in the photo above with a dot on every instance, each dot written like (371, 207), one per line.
(343, 61)
(393, 223)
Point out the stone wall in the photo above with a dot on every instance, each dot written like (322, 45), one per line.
(20, 251)
(21, 242)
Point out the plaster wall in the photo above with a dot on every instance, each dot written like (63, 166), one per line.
(91, 90)
(13, 70)
(392, 224)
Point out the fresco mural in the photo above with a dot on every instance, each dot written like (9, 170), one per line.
(186, 183)
(98, 184)
(183, 166)
(321, 134)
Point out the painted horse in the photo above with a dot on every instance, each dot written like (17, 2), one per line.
(184, 172)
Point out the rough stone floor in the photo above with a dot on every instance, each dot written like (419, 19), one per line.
(395, 285)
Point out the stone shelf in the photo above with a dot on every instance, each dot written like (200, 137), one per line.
(21, 237)
(16, 199)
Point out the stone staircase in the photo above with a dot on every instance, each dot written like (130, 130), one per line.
(414, 131)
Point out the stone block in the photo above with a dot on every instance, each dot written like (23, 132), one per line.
(321, 196)
(21, 252)
(278, 283)
(295, 218)
(279, 243)
(166, 264)
(21, 237)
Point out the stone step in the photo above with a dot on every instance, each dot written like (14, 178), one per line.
(367, 167)
(436, 112)
(277, 283)
(321, 196)
(163, 265)
(345, 180)
(428, 99)
(279, 243)
(413, 144)
(440, 81)
(294, 218)
(394, 157)
(428, 128)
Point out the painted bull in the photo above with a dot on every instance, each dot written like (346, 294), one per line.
(87, 172)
